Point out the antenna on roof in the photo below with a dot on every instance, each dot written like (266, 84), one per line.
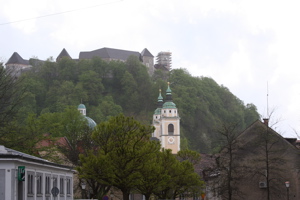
(267, 99)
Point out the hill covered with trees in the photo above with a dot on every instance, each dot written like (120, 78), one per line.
(110, 88)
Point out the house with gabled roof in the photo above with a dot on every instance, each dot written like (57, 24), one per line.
(264, 162)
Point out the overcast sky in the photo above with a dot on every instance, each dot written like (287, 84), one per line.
(249, 46)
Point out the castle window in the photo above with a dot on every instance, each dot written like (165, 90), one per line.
(170, 111)
(171, 129)
(164, 111)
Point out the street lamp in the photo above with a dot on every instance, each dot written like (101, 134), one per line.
(287, 185)
(83, 186)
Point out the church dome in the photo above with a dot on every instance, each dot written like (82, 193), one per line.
(157, 111)
(92, 124)
(81, 106)
(169, 104)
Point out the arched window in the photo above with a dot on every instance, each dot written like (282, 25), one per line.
(170, 129)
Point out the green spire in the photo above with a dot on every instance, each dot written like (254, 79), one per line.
(160, 98)
(168, 91)
(169, 103)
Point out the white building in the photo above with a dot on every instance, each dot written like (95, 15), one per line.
(26, 177)
(166, 121)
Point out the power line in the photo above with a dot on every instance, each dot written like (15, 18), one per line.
(59, 13)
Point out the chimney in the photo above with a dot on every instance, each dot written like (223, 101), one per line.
(266, 121)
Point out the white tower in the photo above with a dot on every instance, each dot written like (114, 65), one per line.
(166, 121)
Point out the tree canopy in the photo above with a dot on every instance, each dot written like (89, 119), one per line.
(110, 88)
(127, 159)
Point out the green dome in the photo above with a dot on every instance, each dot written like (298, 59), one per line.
(157, 111)
(169, 104)
(81, 106)
(92, 124)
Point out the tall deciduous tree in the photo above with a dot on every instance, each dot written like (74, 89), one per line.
(183, 180)
(228, 162)
(124, 147)
(11, 95)
(154, 176)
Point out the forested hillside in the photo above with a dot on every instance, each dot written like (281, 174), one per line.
(108, 89)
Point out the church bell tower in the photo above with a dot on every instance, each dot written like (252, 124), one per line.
(166, 121)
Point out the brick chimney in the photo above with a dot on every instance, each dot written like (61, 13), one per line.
(266, 121)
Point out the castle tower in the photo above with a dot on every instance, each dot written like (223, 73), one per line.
(148, 60)
(164, 59)
(166, 121)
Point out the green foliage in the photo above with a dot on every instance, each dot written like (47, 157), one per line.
(110, 88)
(127, 159)
(181, 178)
(124, 148)
(202, 105)
(11, 95)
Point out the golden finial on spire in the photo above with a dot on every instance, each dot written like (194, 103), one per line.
(168, 83)
(159, 90)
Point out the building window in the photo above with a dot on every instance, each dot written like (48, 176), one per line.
(61, 186)
(47, 185)
(171, 129)
(170, 111)
(30, 184)
(68, 186)
(54, 181)
(39, 181)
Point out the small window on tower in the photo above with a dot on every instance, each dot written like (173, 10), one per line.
(164, 111)
(170, 111)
